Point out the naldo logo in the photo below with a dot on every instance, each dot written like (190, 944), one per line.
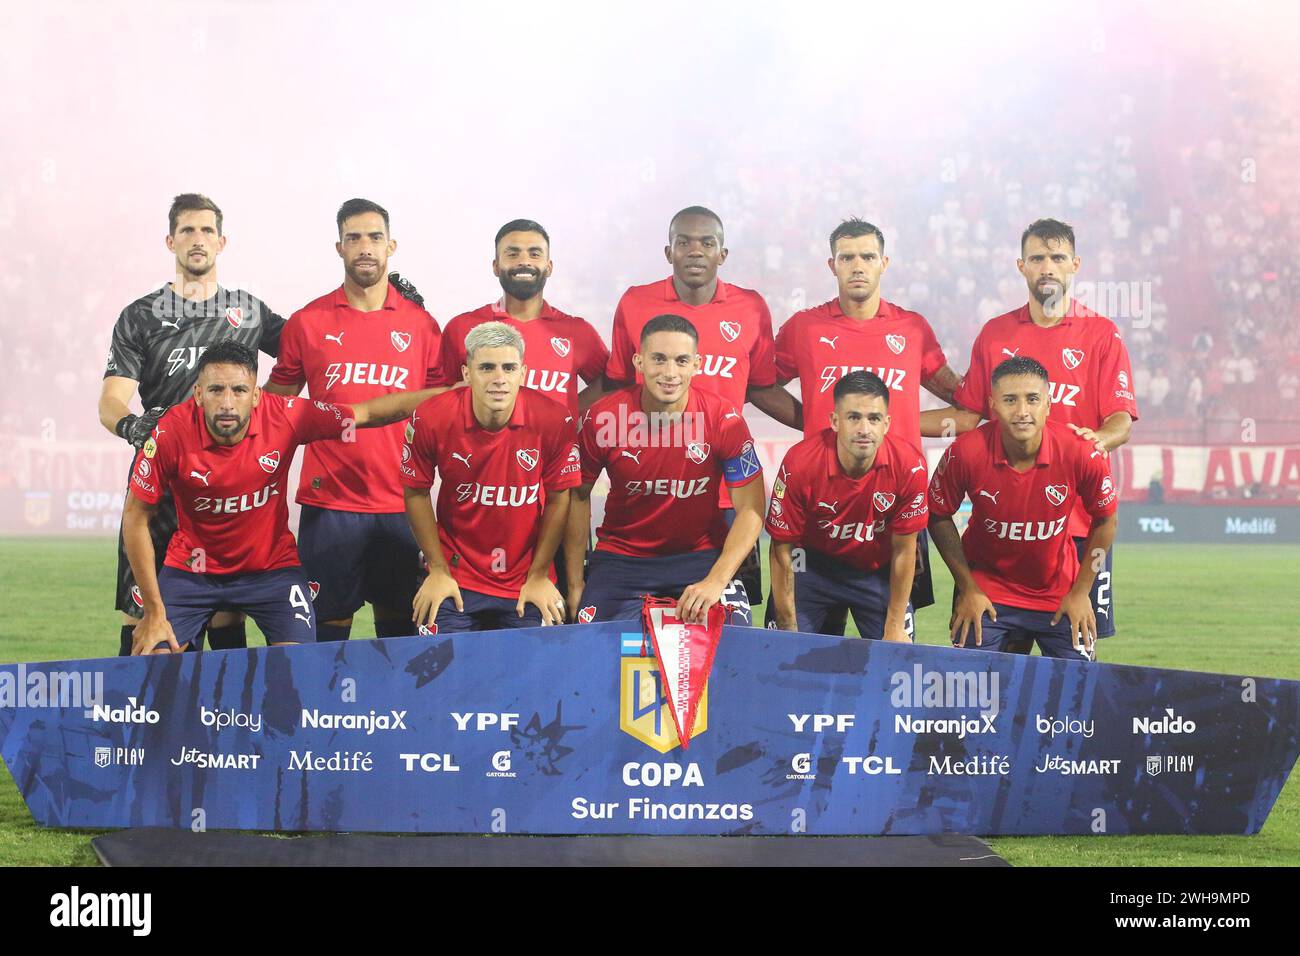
(501, 765)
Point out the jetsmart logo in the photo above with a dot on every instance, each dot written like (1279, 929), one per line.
(76, 909)
(41, 688)
(1168, 724)
(130, 714)
(315, 720)
(950, 689)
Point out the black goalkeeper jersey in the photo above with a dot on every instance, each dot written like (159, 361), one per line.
(159, 337)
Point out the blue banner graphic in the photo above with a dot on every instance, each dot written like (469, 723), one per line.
(566, 730)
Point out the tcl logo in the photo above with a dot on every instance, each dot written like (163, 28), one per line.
(1156, 525)
(430, 763)
(893, 377)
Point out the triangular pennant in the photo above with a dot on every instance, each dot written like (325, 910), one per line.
(684, 653)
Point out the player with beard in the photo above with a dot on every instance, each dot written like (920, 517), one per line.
(1016, 564)
(366, 338)
(734, 327)
(860, 329)
(561, 348)
(225, 456)
(1091, 377)
(157, 343)
(665, 446)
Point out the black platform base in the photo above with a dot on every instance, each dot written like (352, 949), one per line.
(163, 847)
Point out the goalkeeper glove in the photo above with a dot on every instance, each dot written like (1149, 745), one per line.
(135, 429)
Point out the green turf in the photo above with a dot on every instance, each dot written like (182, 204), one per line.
(1220, 608)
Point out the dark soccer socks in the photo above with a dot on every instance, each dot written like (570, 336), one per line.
(228, 638)
(332, 632)
(394, 627)
(128, 632)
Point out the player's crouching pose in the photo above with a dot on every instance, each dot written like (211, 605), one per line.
(1017, 563)
(665, 447)
(852, 498)
(225, 458)
(507, 460)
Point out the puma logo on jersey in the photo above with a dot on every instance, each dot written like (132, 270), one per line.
(463, 459)
(203, 477)
(991, 497)
(1009, 353)
(627, 454)
(829, 506)
(830, 342)
(730, 415)
(175, 325)
(338, 339)
(919, 467)
(365, 373)
(893, 377)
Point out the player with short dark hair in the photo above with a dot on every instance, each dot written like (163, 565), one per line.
(734, 327)
(859, 329)
(369, 337)
(507, 459)
(851, 499)
(157, 343)
(1016, 562)
(1091, 386)
(225, 458)
(665, 446)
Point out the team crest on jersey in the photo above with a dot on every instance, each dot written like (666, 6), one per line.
(235, 316)
(270, 461)
(136, 597)
(1072, 358)
(730, 330)
(896, 343)
(528, 458)
(587, 614)
(1056, 493)
(428, 630)
(561, 346)
(314, 588)
(697, 451)
(884, 501)
(401, 340)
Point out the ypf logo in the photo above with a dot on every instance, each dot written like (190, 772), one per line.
(697, 451)
(235, 317)
(1072, 358)
(643, 708)
(730, 330)
(561, 346)
(270, 461)
(401, 340)
(896, 343)
(528, 458)
(1056, 493)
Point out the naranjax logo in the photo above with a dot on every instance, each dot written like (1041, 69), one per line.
(395, 720)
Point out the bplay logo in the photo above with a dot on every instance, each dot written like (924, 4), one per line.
(1054, 726)
(221, 719)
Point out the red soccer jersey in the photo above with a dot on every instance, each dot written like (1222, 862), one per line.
(558, 349)
(735, 330)
(231, 502)
(816, 505)
(494, 483)
(663, 497)
(348, 356)
(1018, 543)
(1089, 373)
(821, 345)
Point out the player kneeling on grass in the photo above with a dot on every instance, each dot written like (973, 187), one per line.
(852, 499)
(1017, 564)
(665, 446)
(507, 459)
(225, 458)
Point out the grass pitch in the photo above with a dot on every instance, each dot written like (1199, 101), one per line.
(1219, 608)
